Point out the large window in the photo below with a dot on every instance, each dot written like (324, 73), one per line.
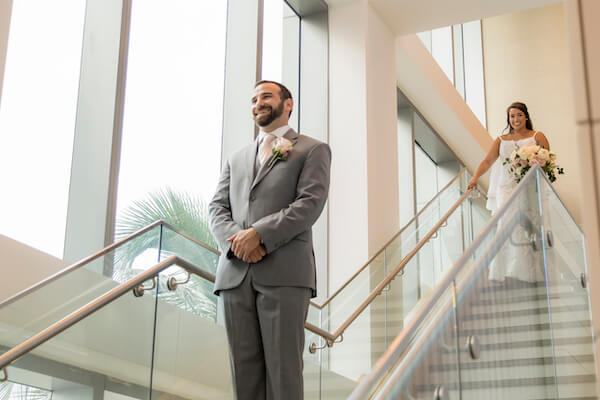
(172, 127)
(459, 53)
(281, 49)
(37, 120)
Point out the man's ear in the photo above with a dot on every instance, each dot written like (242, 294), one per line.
(288, 105)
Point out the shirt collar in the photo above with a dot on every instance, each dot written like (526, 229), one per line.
(279, 132)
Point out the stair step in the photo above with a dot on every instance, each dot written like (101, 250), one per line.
(578, 386)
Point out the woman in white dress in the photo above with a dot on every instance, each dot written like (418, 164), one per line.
(514, 261)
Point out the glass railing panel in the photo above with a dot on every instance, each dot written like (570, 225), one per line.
(196, 296)
(569, 300)
(354, 293)
(46, 304)
(431, 365)
(191, 354)
(360, 347)
(502, 305)
(108, 351)
(503, 328)
(365, 340)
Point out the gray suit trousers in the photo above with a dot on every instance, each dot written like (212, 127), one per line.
(265, 330)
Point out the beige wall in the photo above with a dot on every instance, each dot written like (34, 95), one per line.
(526, 59)
(5, 11)
(583, 31)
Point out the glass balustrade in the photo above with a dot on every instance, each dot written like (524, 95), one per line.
(437, 253)
(116, 343)
(511, 319)
(105, 355)
(568, 297)
(483, 336)
(27, 314)
(365, 340)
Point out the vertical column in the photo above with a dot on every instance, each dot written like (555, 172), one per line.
(241, 72)
(382, 134)
(96, 148)
(313, 112)
(583, 31)
(5, 12)
(363, 201)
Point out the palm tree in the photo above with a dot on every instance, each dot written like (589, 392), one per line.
(15, 391)
(185, 212)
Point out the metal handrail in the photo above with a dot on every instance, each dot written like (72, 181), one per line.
(370, 260)
(492, 249)
(101, 253)
(397, 270)
(401, 342)
(76, 316)
(146, 229)
(329, 337)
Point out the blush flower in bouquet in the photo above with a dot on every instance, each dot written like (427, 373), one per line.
(522, 159)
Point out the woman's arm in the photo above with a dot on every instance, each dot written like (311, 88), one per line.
(487, 162)
(541, 140)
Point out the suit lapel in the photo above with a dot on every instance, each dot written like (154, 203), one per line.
(292, 136)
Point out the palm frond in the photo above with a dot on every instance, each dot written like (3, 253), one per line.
(184, 212)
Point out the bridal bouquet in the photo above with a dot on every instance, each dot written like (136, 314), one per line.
(522, 159)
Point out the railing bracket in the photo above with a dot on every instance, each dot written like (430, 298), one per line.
(4, 378)
(533, 241)
(440, 393)
(550, 238)
(583, 279)
(138, 291)
(312, 349)
(473, 347)
(172, 282)
(328, 343)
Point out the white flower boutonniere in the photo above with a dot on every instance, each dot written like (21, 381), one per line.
(281, 149)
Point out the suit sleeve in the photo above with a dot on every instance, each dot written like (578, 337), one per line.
(281, 227)
(222, 224)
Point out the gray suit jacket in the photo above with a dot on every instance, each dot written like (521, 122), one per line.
(281, 203)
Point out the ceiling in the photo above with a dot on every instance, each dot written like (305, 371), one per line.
(412, 16)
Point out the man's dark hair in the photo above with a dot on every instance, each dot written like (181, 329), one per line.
(284, 93)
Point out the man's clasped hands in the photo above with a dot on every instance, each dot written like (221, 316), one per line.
(246, 246)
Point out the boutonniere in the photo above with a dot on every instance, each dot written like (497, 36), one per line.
(281, 149)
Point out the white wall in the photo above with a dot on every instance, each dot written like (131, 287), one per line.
(526, 59)
(584, 55)
(382, 136)
(363, 199)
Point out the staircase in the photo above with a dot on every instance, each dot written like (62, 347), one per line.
(477, 338)
(432, 324)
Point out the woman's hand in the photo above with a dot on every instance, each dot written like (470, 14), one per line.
(473, 183)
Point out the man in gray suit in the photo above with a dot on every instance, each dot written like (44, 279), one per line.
(269, 195)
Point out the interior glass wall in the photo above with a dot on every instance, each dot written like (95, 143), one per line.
(426, 163)
(37, 120)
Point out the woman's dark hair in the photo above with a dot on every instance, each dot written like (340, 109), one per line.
(519, 106)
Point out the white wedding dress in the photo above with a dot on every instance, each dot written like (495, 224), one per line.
(515, 259)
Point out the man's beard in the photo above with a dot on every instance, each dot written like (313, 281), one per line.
(275, 113)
